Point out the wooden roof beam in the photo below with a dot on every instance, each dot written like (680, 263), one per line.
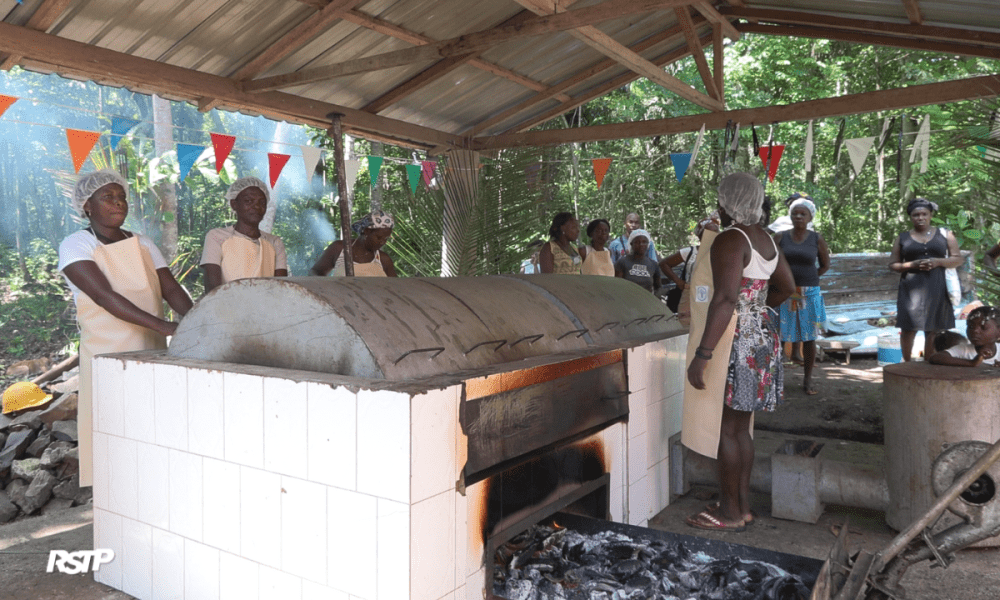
(116, 68)
(913, 11)
(894, 99)
(687, 25)
(708, 11)
(472, 42)
(718, 61)
(45, 16)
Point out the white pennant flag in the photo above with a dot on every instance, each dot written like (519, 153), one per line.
(351, 166)
(809, 148)
(923, 143)
(310, 158)
(858, 149)
(736, 138)
(697, 145)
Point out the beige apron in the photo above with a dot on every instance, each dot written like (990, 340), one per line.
(243, 258)
(129, 269)
(368, 269)
(702, 420)
(598, 263)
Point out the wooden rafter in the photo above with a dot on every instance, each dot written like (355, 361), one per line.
(913, 11)
(687, 26)
(708, 11)
(44, 17)
(918, 95)
(718, 61)
(481, 40)
(50, 52)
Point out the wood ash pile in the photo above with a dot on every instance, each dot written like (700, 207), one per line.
(548, 563)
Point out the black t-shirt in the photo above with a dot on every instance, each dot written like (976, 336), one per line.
(640, 271)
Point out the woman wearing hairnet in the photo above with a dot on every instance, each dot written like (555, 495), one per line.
(119, 280)
(242, 250)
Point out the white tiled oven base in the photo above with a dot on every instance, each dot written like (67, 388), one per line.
(212, 484)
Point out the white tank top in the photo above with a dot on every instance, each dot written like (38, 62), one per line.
(758, 267)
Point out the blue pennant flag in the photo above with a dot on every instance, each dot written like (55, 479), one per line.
(680, 160)
(119, 127)
(186, 155)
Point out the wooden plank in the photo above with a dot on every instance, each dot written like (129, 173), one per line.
(708, 11)
(913, 11)
(481, 40)
(115, 68)
(718, 61)
(44, 17)
(687, 26)
(987, 86)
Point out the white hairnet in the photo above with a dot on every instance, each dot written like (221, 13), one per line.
(742, 195)
(637, 233)
(246, 182)
(810, 206)
(88, 184)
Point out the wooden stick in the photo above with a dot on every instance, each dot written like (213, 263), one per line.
(57, 370)
(336, 130)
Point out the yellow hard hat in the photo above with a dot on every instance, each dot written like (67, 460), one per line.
(23, 394)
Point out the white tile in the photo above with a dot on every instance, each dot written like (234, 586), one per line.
(205, 413)
(139, 409)
(384, 444)
(432, 562)
(656, 362)
(659, 439)
(315, 591)
(638, 502)
(637, 454)
(186, 499)
(673, 414)
(154, 489)
(659, 492)
(201, 571)
(676, 366)
(616, 502)
(109, 395)
(475, 507)
(393, 550)
(260, 516)
(221, 512)
(285, 441)
(475, 584)
(108, 534)
(239, 578)
(244, 419)
(102, 470)
(123, 477)
(136, 559)
(168, 565)
(333, 428)
(637, 417)
(352, 520)
(461, 535)
(171, 406)
(303, 529)
(638, 371)
(432, 464)
(276, 585)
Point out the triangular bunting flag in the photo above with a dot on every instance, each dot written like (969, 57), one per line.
(427, 167)
(858, 149)
(809, 148)
(600, 169)
(5, 103)
(413, 174)
(351, 166)
(374, 166)
(680, 160)
(697, 145)
(736, 138)
(923, 144)
(80, 145)
(774, 152)
(223, 145)
(275, 163)
(119, 127)
(187, 155)
(310, 158)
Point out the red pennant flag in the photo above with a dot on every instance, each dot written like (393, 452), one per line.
(427, 168)
(5, 103)
(80, 145)
(223, 145)
(775, 153)
(600, 169)
(276, 162)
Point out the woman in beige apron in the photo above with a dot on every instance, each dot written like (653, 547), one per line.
(120, 281)
(374, 230)
(560, 255)
(242, 250)
(596, 256)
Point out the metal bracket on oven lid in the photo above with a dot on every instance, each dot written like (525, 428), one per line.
(637, 320)
(533, 338)
(499, 344)
(656, 318)
(609, 325)
(578, 332)
(437, 350)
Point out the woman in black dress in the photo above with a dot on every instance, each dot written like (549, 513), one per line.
(921, 256)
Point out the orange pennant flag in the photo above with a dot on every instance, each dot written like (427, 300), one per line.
(600, 169)
(5, 103)
(223, 145)
(80, 145)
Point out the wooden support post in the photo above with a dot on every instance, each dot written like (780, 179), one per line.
(336, 130)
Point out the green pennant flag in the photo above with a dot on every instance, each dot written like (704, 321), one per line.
(374, 165)
(413, 174)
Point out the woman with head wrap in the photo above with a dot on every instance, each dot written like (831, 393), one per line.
(119, 280)
(921, 256)
(636, 266)
(596, 256)
(242, 250)
(734, 360)
(560, 255)
(373, 231)
(803, 315)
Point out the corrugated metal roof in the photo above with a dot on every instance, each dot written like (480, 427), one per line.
(218, 38)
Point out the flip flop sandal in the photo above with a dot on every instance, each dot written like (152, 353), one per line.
(708, 521)
(747, 518)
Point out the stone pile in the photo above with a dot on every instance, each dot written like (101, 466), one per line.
(39, 463)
